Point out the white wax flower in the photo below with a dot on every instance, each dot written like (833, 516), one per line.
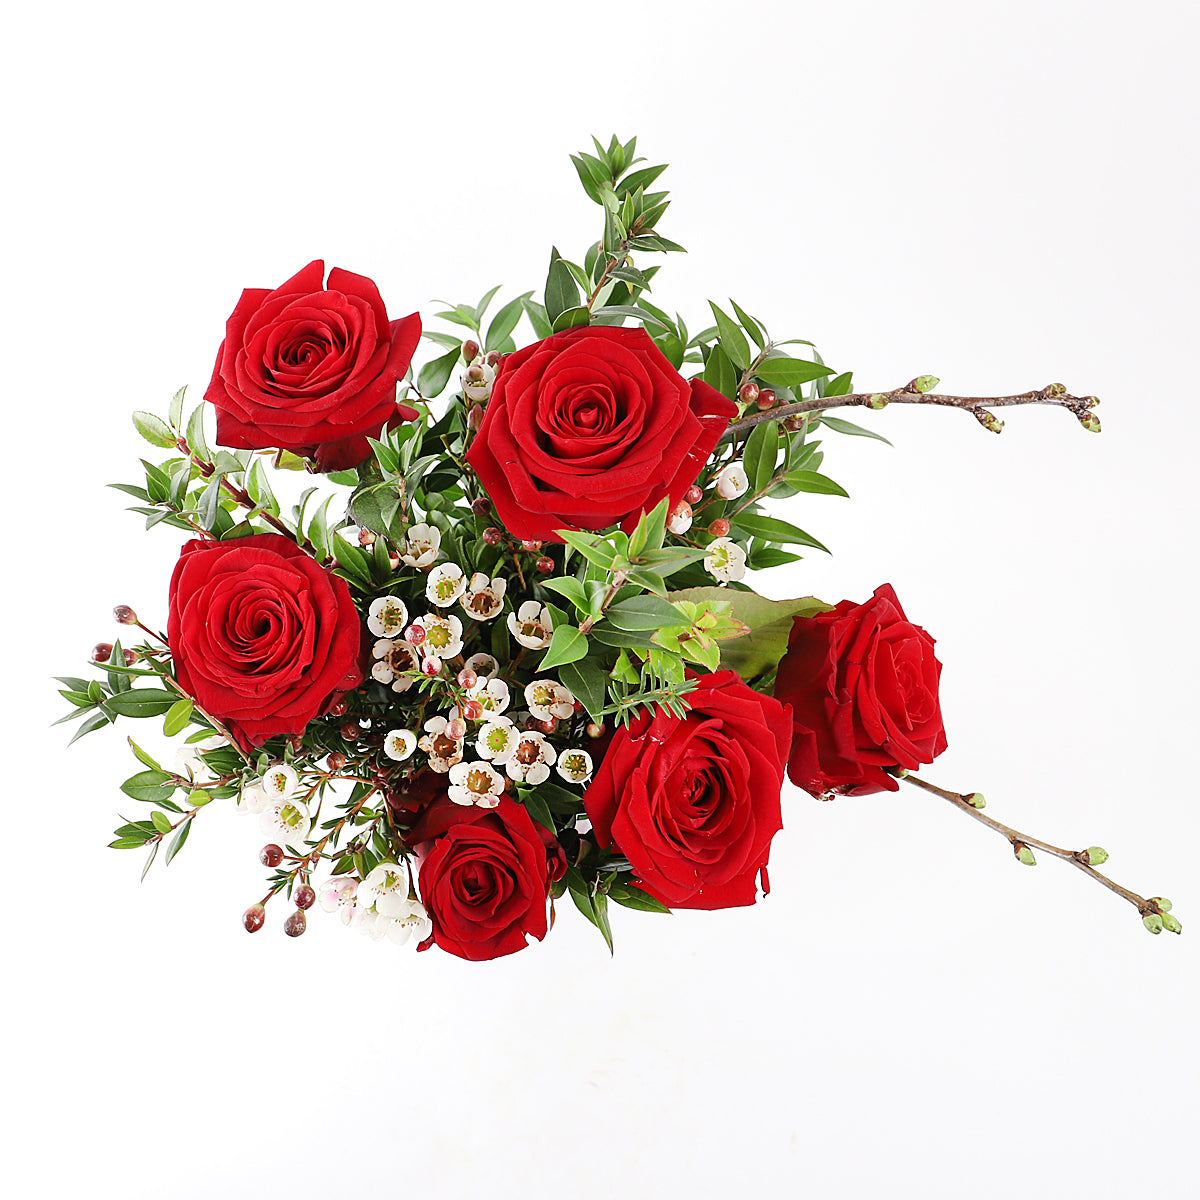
(531, 625)
(279, 781)
(532, 759)
(387, 616)
(475, 783)
(399, 744)
(725, 560)
(445, 584)
(484, 597)
(549, 700)
(732, 481)
(285, 820)
(575, 766)
(421, 547)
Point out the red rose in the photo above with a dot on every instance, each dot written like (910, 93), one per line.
(589, 427)
(312, 369)
(693, 803)
(863, 685)
(484, 877)
(263, 638)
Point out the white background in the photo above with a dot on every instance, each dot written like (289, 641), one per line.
(1002, 194)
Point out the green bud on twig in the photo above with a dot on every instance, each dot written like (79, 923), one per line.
(988, 420)
(975, 800)
(1024, 854)
(1090, 422)
(925, 383)
(1093, 856)
(1153, 922)
(877, 401)
(1055, 389)
(1164, 905)
(1170, 924)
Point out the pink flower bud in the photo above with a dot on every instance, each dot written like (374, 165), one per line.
(296, 924)
(253, 918)
(467, 678)
(124, 615)
(492, 535)
(456, 729)
(415, 635)
(271, 855)
(693, 495)
(470, 350)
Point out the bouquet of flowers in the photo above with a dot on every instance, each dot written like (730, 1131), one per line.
(505, 649)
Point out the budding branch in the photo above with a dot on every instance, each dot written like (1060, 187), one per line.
(1054, 394)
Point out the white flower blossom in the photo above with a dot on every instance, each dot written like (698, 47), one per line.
(393, 659)
(421, 546)
(399, 744)
(446, 583)
(444, 751)
(190, 762)
(338, 894)
(497, 740)
(725, 560)
(484, 665)
(484, 597)
(732, 481)
(443, 636)
(548, 700)
(411, 925)
(680, 520)
(285, 820)
(477, 381)
(475, 783)
(386, 889)
(387, 616)
(532, 759)
(252, 799)
(279, 781)
(575, 766)
(532, 625)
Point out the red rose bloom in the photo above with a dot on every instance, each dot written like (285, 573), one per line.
(484, 877)
(693, 803)
(862, 682)
(589, 427)
(263, 638)
(312, 368)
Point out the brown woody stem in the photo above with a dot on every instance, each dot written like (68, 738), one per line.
(1054, 394)
(1018, 840)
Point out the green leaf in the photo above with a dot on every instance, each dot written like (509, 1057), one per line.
(96, 721)
(594, 549)
(141, 702)
(789, 372)
(760, 454)
(567, 645)
(434, 375)
(633, 897)
(150, 859)
(811, 481)
(719, 372)
(633, 311)
(195, 434)
(571, 317)
(161, 821)
(177, 841)
(504, 322)
(149, 786)
(177, 718)
(561, 292)
(175, 409)
(642, 612)
(538, 319)
(537, 808)
(571, 588)
(488, 297)
(586, 681)
(770, 623)
(143, 757)
(775, 530)
(751, 325)
(733, 341)
(849, 427)
(154, 429)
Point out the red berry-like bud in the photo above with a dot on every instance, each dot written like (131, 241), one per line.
(467, 678)
(493, 358)
(719, 527)
(766, 399)
(693, 495)
(530, 545)
(253, 918)
(271, 855)
(578, 706)
(470, 350)
(594, 730)
(431, 666)
(456, 729)
(338, 708)
(102, 652)
(304, 896)
(545, 565)
(415, 635)
(393, 560)
(350, 731)
(130, 656)
(366, 537)
(296, 924)
(749, 393)
(793, 424)
(481, 507)
(336, 761)
(124, 615)
(492, 535)
(472, 710)
(545, 726)
(475, 417)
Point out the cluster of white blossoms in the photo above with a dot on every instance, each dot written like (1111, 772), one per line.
(282, 815)
(381, 905)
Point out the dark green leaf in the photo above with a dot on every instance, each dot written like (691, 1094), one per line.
(571, 317)
(149, 786)
(849, 427)
(790, 371)
(719, 372)
(775, 530)
(567, 645)
(733, 341)
(642, 612)
(586, 681)
(177, 841)
(561, 292)
(433, 376)
(142, 702)
(504, 322)
(811, 481)
(760, 454)
(633, 897)
(177, 718)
